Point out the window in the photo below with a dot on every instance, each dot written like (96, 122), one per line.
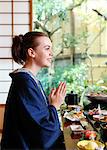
(15, 18)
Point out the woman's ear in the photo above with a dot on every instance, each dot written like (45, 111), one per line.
(31, 52)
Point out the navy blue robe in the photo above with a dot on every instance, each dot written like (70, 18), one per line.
(29, 122)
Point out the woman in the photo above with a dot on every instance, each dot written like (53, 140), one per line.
(31, 120)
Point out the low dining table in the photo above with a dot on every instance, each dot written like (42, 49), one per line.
(71, 141)
(70, 144)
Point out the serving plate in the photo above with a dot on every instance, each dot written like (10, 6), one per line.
(77, 128)
(100, 98)
(70, 117)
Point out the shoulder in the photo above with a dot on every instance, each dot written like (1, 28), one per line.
(22, 78)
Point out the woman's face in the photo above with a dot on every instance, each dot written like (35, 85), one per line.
(43, 52)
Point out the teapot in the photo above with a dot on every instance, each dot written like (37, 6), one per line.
(71, 99)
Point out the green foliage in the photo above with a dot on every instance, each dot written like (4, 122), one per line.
(70, 41)
(46, 10)
(97, 87)
(75, 77)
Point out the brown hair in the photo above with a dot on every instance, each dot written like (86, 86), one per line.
(22, 43)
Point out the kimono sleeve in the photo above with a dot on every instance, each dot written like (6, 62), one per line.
(45, 117)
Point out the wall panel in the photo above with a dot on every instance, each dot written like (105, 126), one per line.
(15, 18)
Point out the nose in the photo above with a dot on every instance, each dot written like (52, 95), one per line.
(51, 52)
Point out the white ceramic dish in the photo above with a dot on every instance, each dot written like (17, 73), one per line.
(76, 127)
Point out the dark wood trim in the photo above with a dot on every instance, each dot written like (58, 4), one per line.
(12, 23)
(1, 130)
(30, 15)
(21, 1)
(15, 1)
(2, 105)
(5, 58)
(15, 13)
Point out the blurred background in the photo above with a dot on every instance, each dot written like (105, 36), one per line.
(78, 31)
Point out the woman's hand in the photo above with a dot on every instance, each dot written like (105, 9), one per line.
(57, 96)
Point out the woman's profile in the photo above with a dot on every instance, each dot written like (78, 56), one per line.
(31, 120)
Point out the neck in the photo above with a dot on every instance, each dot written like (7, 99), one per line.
(32, 68)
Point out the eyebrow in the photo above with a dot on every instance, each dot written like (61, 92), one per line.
(47, 46)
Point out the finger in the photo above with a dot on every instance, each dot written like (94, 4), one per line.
(60, 87)
(64, 88)
(53, 92)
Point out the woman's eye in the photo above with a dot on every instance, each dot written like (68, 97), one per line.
(47, 48)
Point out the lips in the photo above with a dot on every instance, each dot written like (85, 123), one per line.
(49, 59)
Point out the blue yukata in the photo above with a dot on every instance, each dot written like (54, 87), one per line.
(29, 121)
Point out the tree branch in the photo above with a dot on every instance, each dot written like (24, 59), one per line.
(99, 14)
(55, 30)
(76, 5)
(39, 25)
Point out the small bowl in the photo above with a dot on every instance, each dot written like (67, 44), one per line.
(89, 145)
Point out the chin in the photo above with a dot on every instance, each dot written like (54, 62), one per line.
(47, 65)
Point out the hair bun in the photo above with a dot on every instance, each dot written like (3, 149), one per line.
(21, 38)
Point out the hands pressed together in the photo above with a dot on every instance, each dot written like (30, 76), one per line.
(57, 95)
